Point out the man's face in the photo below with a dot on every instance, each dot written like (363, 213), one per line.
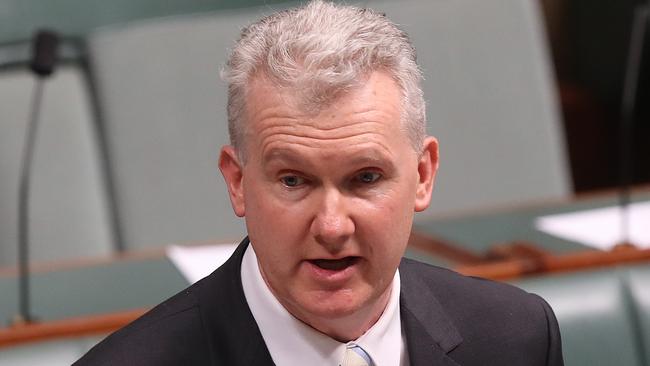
(329, 198)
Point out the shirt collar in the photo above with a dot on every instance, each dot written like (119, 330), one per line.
(291, 342)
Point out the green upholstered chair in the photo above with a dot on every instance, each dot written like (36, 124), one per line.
(165, 122)
(491, 101)
(638, 284)
(594, 312)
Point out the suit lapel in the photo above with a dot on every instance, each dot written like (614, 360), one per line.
(234, 336)
(430, 333)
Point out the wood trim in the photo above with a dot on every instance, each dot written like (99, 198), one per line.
(67, 328)
(515, 250)
(442, 248)
(517, 268)
(500, 271)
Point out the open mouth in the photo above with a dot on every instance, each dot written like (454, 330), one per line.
(335, 264)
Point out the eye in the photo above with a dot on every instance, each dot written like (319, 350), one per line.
(292, 180)
(368, 177)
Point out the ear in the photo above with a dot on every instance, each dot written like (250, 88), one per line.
(231, 169)
(427, 168)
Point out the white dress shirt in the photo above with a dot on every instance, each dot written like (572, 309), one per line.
(292, 342)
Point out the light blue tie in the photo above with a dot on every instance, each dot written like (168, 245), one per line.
(355, 356)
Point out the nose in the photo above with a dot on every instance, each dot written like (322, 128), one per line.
(332, 225)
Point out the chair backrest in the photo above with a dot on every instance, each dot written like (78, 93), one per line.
(594, 312)
(68, 210)
(165, 122)
(491, 100)
(488, 86)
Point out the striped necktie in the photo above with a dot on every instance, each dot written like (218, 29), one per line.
(355, 356)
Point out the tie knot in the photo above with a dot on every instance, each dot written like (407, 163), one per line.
(355, 356)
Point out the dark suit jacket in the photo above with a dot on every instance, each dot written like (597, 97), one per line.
(448, 320)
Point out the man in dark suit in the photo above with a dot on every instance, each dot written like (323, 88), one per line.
(328, 163)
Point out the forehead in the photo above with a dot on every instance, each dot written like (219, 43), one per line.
(367, 114)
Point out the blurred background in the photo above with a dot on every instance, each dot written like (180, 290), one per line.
(589, 42)
(525, 97)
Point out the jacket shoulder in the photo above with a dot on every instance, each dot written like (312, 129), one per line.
(169, 334)
(499, 321)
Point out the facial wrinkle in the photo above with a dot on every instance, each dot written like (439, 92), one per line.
(308, 136)
(361, 141)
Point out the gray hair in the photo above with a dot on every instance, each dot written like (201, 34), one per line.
(321, 50)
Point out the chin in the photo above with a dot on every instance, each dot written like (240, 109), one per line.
(333, 306)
